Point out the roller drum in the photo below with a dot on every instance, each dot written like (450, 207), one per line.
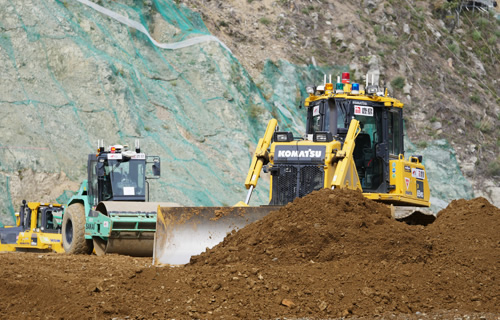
(133, 243)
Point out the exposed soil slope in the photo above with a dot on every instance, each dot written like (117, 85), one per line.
(327, 255)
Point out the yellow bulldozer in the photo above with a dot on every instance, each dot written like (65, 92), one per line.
(353, 139)
(36, 229)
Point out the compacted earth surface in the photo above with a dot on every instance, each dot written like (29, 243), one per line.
(329, 255)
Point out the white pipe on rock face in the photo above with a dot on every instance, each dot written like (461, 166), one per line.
(136, 25)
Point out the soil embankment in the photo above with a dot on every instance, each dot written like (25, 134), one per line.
(327, 255)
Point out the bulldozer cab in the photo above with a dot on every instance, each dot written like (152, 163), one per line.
(380, 138)
(39, 216)
(46, 219)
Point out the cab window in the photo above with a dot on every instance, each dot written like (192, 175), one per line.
(317, 116)
(368, 165)
(92, 183)
(316, 123)
(394, 132)
(47, 223)
(340, 118)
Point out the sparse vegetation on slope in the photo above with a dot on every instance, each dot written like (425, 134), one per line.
(449, 61)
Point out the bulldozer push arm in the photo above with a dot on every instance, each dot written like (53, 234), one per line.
(260, 156)
(345, 174)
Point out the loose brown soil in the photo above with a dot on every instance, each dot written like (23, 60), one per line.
(328, 255)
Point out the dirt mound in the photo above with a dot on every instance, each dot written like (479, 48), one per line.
(323, 226)
(468, 219)
(355, 259)
(467, 233)
(328, 255)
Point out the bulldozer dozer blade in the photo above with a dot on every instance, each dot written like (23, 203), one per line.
(413, 215)
(182, 232)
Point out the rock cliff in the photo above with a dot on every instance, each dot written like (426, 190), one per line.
(71, 75)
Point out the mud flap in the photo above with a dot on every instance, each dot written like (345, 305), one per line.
(182, 232)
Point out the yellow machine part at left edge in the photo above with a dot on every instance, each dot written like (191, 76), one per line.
(36, 229)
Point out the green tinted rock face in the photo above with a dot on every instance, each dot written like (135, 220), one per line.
(446, 181)
(70, 76)
(7, 216)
